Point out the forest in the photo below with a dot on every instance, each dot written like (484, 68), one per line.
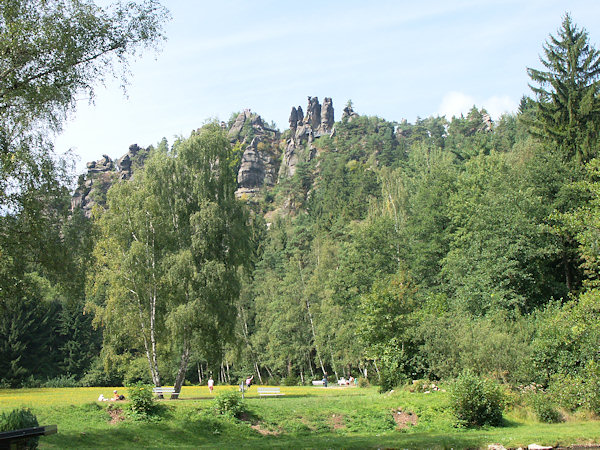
(394, 252)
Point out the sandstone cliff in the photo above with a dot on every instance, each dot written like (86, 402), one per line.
(264, 160)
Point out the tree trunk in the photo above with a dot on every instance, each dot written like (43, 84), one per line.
(258, 372)
(377, 369)
(185, 357)
(310, 317)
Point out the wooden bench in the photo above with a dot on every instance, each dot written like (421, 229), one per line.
(10, 439)
(317, 383)
(264, 392)
(165, 390)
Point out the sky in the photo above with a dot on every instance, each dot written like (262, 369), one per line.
(393, 59)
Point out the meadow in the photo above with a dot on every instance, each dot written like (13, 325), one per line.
(304, 417)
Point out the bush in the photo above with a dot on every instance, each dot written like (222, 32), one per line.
(137, 371)
(476, 401)
(575, 391)
(291, 381)
(61, 381)
(141, 401)
(544, 408)
(97, 376)
(274, 381)
(230, 404)
(363, 382)
(17, 419)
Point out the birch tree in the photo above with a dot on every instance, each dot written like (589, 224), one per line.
(172, 241)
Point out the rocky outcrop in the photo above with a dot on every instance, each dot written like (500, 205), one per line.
(348, 113)
(260, 160)
(258, 168)
(93, 186)
(135, 156)
(318, 122)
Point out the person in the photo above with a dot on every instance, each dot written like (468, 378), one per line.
(102, 398)
(211, 384)
(324, 380)
(350, 380)
(249, 382)
(115, 396)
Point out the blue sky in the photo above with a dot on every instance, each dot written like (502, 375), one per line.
(394, 59)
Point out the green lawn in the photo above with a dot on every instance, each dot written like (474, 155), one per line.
(304, 417)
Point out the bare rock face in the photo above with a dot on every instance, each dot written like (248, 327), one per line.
(318, 122)
(313, 113)
(101, 175)
(326, 116)
(260, 161)
(258, 168)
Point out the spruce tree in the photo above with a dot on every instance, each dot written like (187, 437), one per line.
(568, 113)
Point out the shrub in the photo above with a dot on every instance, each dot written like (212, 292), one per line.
(141, 401)
(61, 381)
(476, 401)
(544, 408)
(575, 391)
(97, 376)
(363, 382)
(137, 370)
(230, 404)
(274, 381)
(17, 419)
(567, 391)
(291, 381)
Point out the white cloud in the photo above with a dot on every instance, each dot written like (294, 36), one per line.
(456, 103)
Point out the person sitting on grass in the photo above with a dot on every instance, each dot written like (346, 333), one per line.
(117, 397)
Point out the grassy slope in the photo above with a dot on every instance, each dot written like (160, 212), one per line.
(304, 417)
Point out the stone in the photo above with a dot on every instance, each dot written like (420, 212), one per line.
(539, 447)
(237, 126)
(327, 119)
(313, 113)
(348, 113)
(293, 120)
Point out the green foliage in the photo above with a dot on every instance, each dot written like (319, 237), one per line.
(18, 419)
(497, 345)
(363, 382)
(582, 390)
(291, 381)
(476, 401)
(62, 381)
(544, 408)
(230, 404)
(141, 400)
(385, 322)
(567, 92)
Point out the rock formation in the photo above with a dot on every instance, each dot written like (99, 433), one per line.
(260, 161)
(93, 186)
(318, 122)
(348, 113)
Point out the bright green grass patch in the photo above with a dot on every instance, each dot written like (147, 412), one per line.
(305, 417)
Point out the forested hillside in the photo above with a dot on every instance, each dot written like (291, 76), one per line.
(364, 247)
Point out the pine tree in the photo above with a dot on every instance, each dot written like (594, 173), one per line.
(568, 112)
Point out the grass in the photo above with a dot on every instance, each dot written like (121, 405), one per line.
(305, 417)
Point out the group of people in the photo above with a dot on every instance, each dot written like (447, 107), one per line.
(116, 397)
